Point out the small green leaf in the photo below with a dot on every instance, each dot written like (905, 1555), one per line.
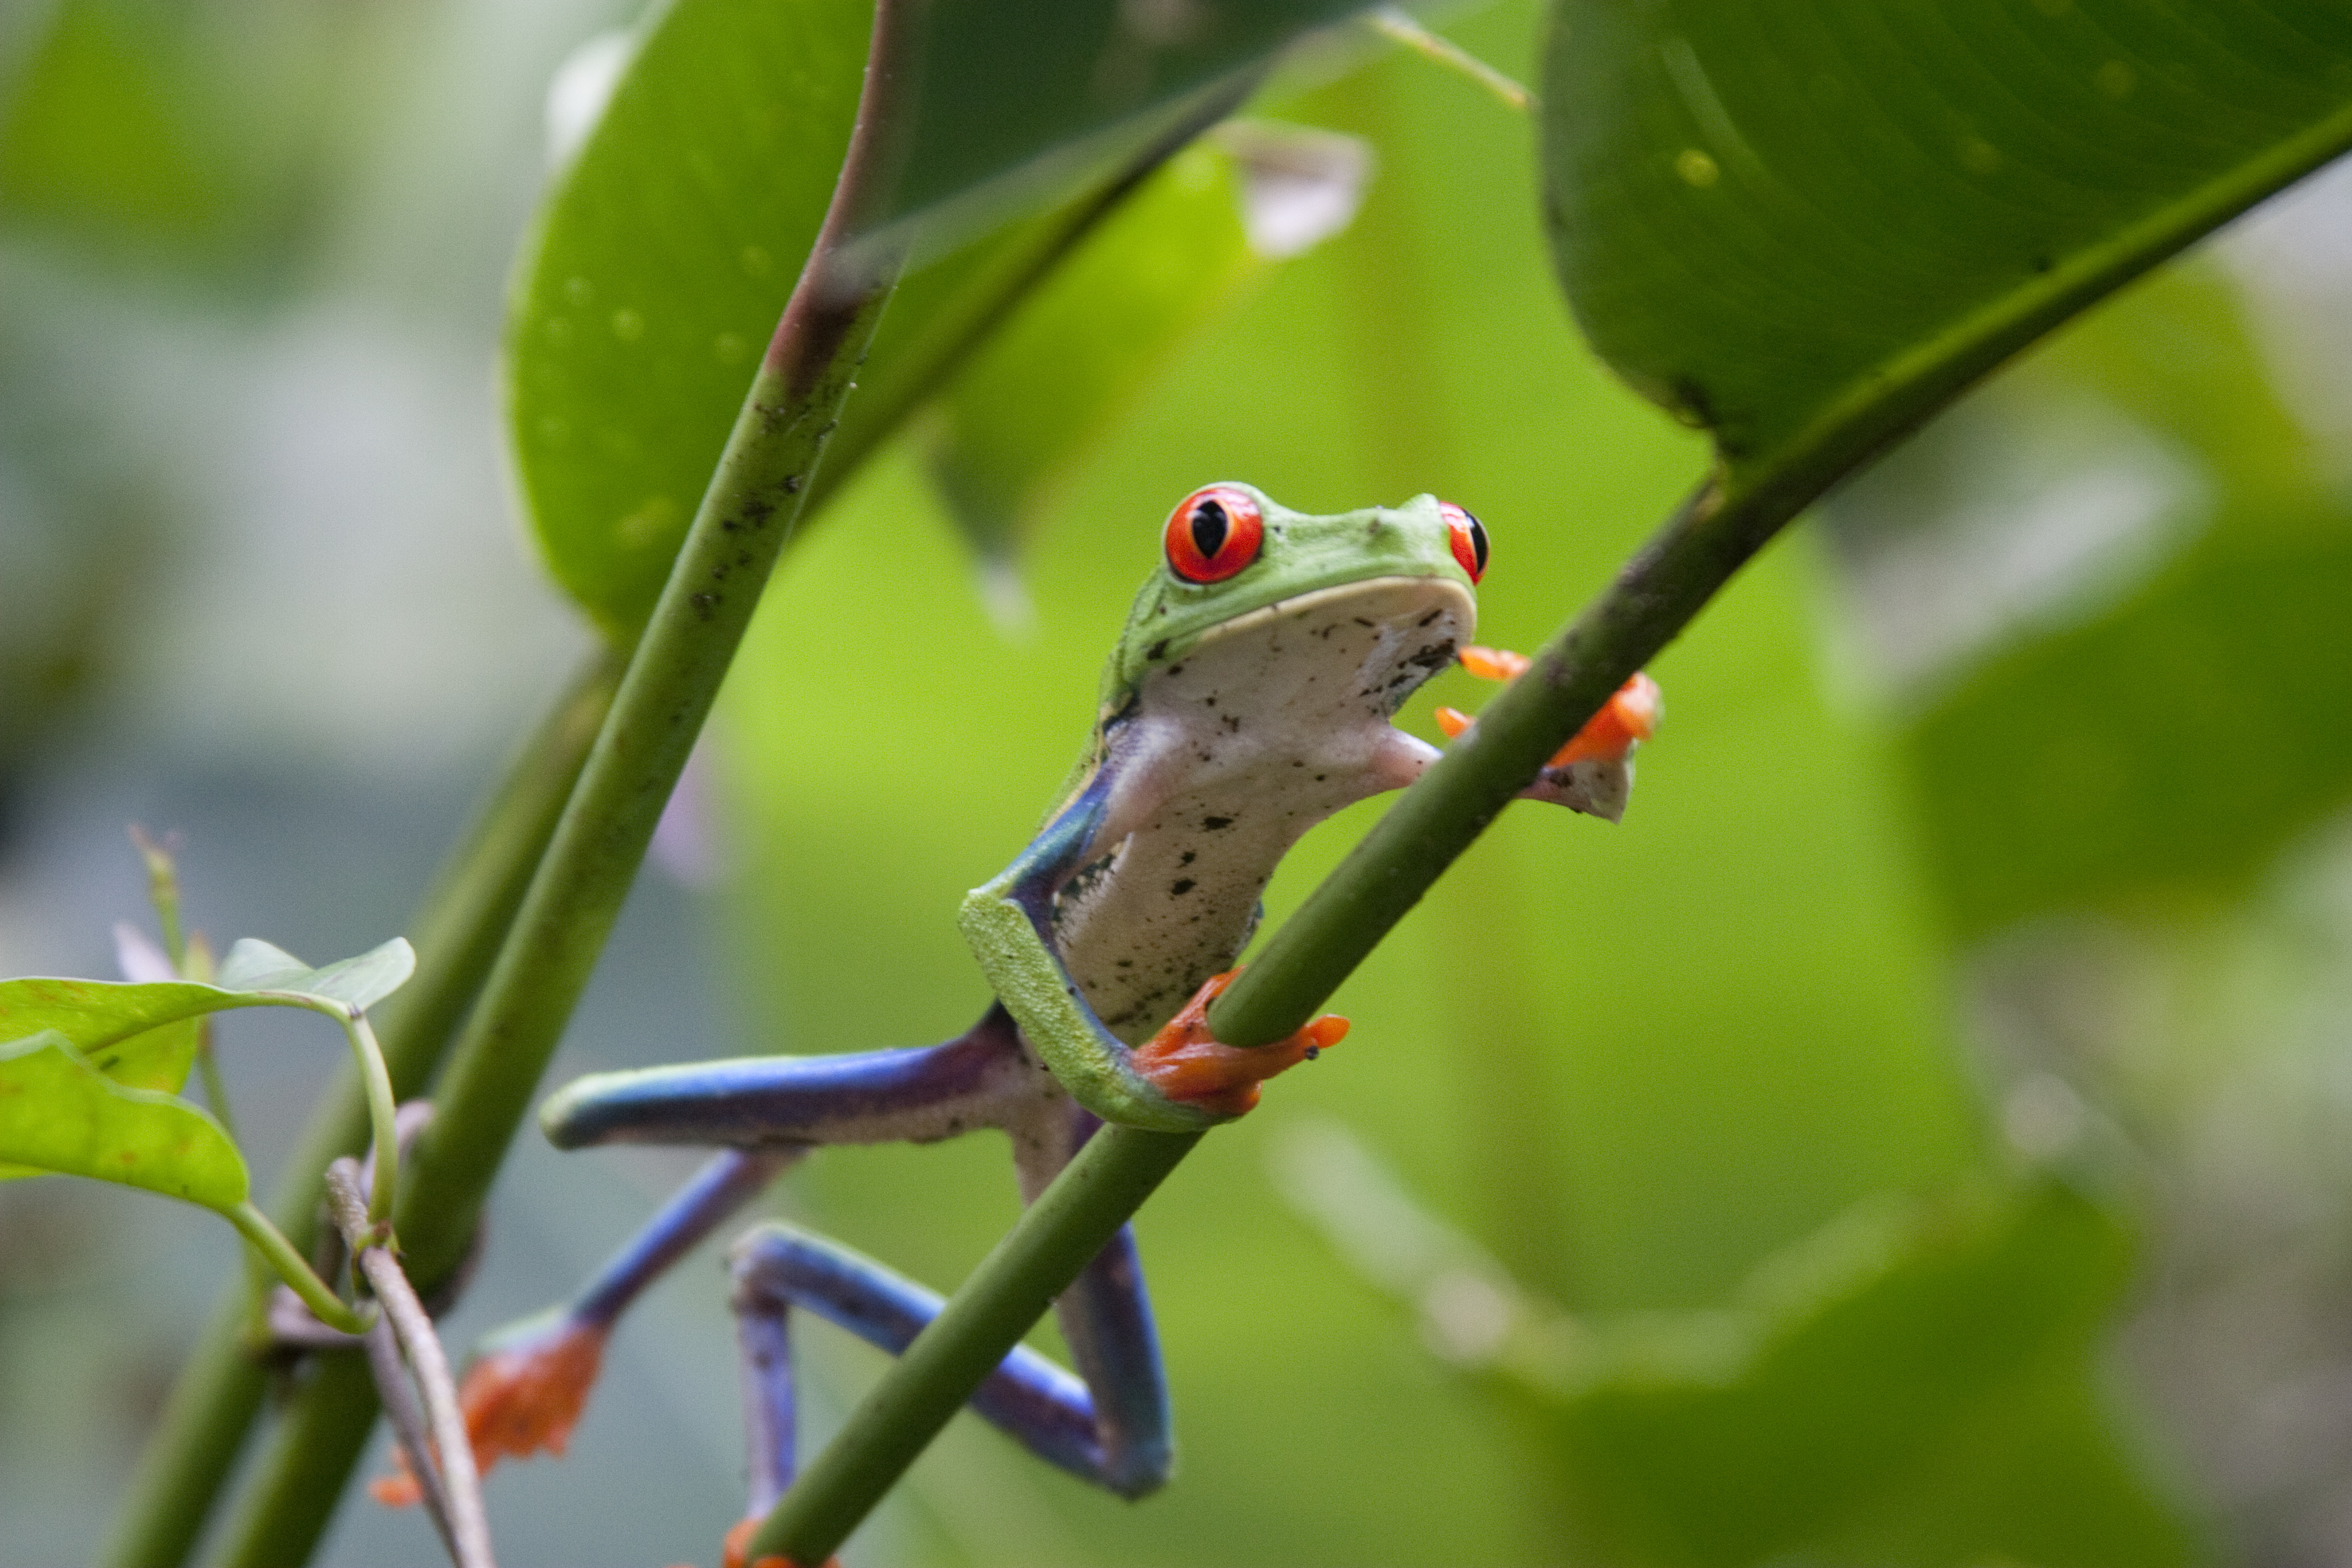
(1806, 226)
(359, 983)
(59, 1113)
(141, 1036)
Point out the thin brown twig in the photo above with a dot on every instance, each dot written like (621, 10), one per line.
(468, 1534)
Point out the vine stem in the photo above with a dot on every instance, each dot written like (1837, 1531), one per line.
(672, 677)
(294, 1269)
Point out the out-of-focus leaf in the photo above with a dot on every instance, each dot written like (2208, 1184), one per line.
(1081, 348)
(2175, 744)
(59, 1113)
(254, 964)
(97, 131)
(2167, 738)
(1806, 226)
(1915, 1387)
(1022, 104)
(195, 134)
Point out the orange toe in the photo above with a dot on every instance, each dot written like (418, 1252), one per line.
(1629, 715)
(519, 1397)
(1188, 1064)
(1452, 720)
(1493, 663)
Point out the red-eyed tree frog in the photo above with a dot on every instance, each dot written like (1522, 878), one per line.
(1248, 698)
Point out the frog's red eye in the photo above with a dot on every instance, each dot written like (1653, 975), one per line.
(1213, 533)
(1469, 536)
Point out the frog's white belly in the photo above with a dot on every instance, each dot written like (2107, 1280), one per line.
(1262, 730)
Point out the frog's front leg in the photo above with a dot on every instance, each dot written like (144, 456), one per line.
(1594, 771)
(1009, 924)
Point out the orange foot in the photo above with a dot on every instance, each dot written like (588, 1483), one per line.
(523, 1394)
(1186, 1063)
(1629, 715)
(739, 1549)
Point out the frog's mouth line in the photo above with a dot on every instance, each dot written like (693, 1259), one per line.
(1464, 607)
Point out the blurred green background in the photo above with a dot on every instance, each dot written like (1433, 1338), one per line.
(1912, 1137)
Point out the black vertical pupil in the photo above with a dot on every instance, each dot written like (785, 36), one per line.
(1477, 542)
(1210, 527)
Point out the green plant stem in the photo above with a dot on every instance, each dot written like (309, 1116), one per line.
(218, 1393)
(383, 1117)
(673, 678)
(1070, 1222)
(215, 1091)
(298, 1475)
(294, 1269)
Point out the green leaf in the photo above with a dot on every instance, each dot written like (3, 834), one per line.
(358, 983)
(58, 1113)
(1805, 226)
(1082, 347)
(1024, 104)
(1910, 1387)
(664, 254)
(701, 186)
(141, 1035)
(2151, 739)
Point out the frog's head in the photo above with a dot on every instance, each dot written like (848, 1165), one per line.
(1229, 550)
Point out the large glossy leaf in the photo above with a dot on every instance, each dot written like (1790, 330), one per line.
(1804, 226)
(1915, 1387)
(59, 1113)
(1078, 349)
(1026, 101)
(701, 185)
(665, 252)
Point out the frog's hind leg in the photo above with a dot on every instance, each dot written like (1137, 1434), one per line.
(1110, 1428)
(527, 1384)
